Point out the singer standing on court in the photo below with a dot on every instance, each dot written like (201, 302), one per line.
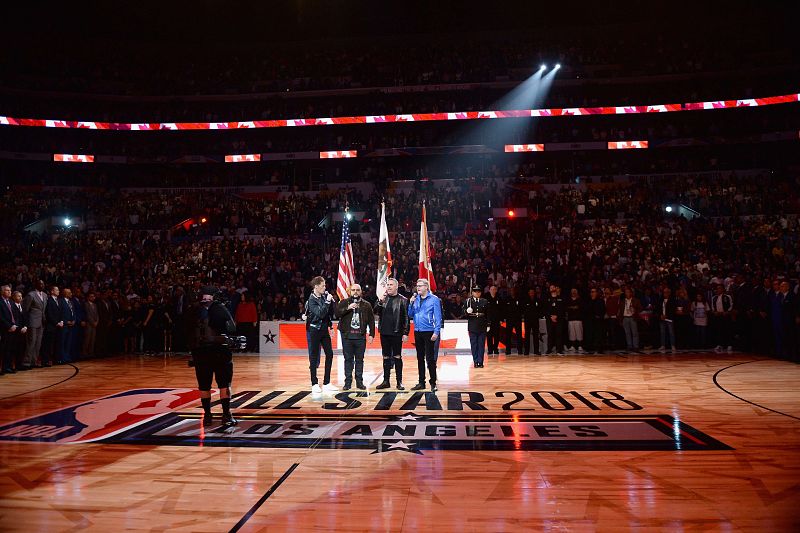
(477, 324)
(355, 319)
(394, 326)
(425, 310)
(318, 316)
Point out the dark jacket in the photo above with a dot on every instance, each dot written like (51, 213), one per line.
(52, 314)
(7, 318)
(512, 310)
(575, 309)
(658, 308)
(319, 312)
(477, 320)
(495, 310)
(67, 311)
(366, 319)
(393, 315)
(532, 311)
(555, 307)
(596, 309)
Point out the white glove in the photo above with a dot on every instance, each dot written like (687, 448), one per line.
(469, 310)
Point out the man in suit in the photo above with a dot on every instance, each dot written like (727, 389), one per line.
(9, 329)
(33, 307)
(92, 319)
(53, 326)
(68, 329)
(18, 338)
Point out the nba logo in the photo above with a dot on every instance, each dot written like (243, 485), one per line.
(100, 418)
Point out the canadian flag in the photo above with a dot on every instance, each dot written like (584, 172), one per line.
(425, 270)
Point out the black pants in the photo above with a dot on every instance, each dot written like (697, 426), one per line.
(493, 337)
(213, 361)
(319, 338)
(555, 336)
(425, 354)
(51, 346)
(353, 352)
(513, 333)
(531, 336)
(392, 348)
(595, 334)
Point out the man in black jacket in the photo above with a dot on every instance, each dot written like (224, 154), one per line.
(393, 324)
(555, 314)
(212, 357)
(53, 326)
(477, 323)
(355, 319)
(513, 315)
(318, 315)
(531, 312)
(595, 313)
(494, 312)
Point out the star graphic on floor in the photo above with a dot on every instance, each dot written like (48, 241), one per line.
(399, 445)
(270, 337)
(409, 416)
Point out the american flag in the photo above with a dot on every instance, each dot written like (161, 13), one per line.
(346, 275)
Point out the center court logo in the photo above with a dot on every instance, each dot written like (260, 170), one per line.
(167, 417)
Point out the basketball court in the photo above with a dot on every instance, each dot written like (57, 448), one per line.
(687, 441)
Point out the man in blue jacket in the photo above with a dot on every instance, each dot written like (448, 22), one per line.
(425, 309)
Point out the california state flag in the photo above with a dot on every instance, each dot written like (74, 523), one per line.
(384, 256)
(425, 270)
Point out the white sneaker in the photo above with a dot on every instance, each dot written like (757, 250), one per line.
(581, 350)
(316, 389)
(730, 349)
(569, 349)
(330, 387)
(662, 348)
(718, 348)
(673, 349)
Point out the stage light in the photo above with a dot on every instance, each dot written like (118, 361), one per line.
(668, 209)
(67, 222)
(543, 67)
(348, 216)
(558, 66)
(203, 220)
(511, 213)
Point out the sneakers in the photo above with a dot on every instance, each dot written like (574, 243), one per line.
(581, 350)
(330, 387)
(384, 385)
(228, 420)
(718, 348)
(570, 349)
(662, 348)
(730, 349)
(433, 387)
(316, 389)
(673, 349)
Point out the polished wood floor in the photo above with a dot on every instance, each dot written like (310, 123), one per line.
(752, 486)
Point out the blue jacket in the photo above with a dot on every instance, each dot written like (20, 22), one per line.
(426, 313)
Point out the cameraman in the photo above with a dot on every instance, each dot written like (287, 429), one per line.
(212, 357)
